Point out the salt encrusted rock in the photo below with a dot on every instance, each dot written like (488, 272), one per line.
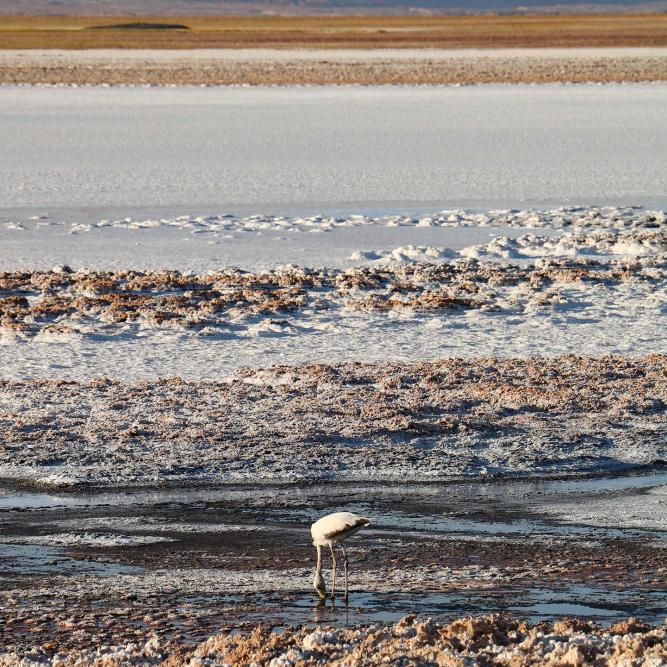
(485, 640)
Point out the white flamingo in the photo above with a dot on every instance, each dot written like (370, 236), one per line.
(327, 531)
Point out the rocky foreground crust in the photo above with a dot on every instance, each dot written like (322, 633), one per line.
(425, 421)
(489, 640)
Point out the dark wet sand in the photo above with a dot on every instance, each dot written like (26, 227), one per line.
(444, 551)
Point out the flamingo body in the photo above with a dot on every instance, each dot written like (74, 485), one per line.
(329, 530)
(336, 527)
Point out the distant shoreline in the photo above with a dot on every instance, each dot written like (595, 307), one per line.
(320, 50)
(330, 66)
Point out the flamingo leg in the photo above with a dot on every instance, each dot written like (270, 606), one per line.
(333, 582)
(345, 563)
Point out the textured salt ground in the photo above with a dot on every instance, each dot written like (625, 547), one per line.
(331, 66)
(135, 325)
(219, 148)
(596, 287)
(621, 321)
(466, 547)
(295, 577)
(61, 303)
(430, 420)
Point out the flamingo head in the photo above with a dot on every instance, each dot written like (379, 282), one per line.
(319, 585)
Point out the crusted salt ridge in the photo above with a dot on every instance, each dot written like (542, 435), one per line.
(55, 305)
(426, 421)
(492, 639)
(566, 217)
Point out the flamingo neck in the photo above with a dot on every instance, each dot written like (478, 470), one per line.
(318, 568)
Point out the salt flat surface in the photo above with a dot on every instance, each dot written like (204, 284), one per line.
(196, 153)
(219, 147)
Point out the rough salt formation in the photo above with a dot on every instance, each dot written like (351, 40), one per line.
(487, 640)
(63, 302)
(633, 244)
(530, 246)
(430, 420)
(371, 68)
